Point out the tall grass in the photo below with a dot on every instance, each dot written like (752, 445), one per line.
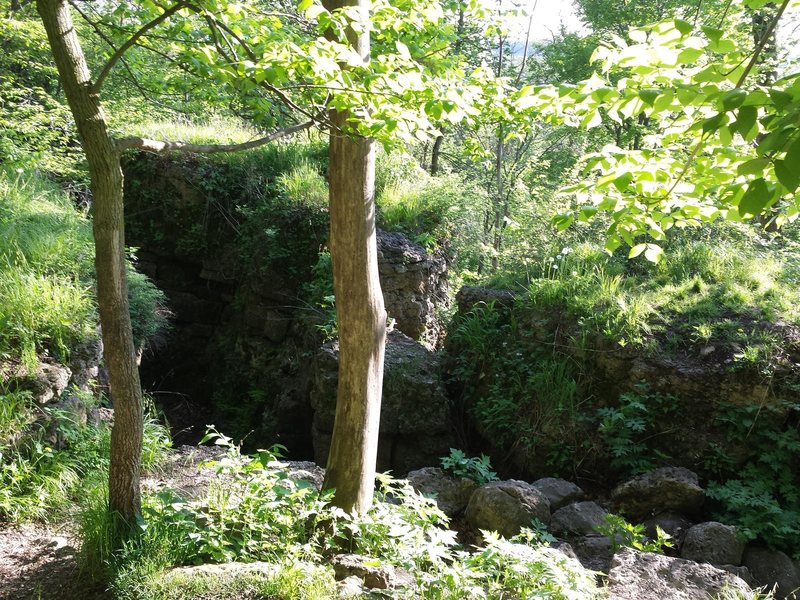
(46, 256)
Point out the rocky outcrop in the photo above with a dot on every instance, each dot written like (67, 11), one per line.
(373, 576)
(452, 494)
(415, 428)
(669, 489)
(506, 507)
(636, 575)
(414, 285)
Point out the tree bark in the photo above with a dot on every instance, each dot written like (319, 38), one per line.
(360, 313)
(110, 260)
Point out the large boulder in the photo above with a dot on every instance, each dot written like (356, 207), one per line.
(559, 492)
(637, 575)
(713, 543)
(773, 569)
(578, 519)
(669, 489)
(506, 507)
(415, 429)
(452, 494)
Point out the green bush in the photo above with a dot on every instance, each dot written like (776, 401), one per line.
(254, 511)
(476, 468)
(760, 492)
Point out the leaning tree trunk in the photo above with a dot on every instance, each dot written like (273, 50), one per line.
(109, 239)
(360, 313)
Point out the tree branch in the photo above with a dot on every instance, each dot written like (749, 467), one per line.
(98, 84)
(157, 147)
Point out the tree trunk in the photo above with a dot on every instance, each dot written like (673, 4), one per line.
(110, 260)
(360, 313)
(437, 148)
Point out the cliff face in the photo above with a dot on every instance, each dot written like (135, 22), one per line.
(246, 278)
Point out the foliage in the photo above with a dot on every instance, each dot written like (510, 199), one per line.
(691, 84)
(35, 124)
(45, 270)
(513, 567)
(436, 212)
(476, 468)
(40, 480)
(47, 274)
(523, 395)
(626, 429)
(762, 497)
(254, 511)
(627, 535)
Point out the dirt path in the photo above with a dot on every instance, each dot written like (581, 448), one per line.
(39, 562)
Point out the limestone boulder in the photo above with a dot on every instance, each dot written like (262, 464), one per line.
(506, 507)
(714, 543)
(637, 575)
(452, 494)
(669, 489)
(559, 492)
(773, 569)
(578, 519)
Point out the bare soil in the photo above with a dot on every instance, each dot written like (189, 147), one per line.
(39, 562)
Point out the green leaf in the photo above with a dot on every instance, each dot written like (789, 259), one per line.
(649, 95)
(780, 98)
(733, 99)
(753, 167)
(654, 253)
(745, 122)
(563, 221)
(788, 175)
(714, 123)
(757, 196)
(637, 250)
(304, 4)
(623, 181)
(793, 155)
(712, 33)
(683, 26)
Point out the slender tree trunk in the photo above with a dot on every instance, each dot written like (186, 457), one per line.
(110, 263)
(360, 313)
(437, 148)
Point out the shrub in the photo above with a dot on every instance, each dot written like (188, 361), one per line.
(477, 469)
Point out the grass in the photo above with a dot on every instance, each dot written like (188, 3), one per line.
(719, 294)
(46, 254)
(215, 129)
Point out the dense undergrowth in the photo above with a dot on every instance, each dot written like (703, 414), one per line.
(47, 312)
(253, 511)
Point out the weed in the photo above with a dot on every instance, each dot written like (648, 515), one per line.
(627, 535)
(625, 429)
(459, 465)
